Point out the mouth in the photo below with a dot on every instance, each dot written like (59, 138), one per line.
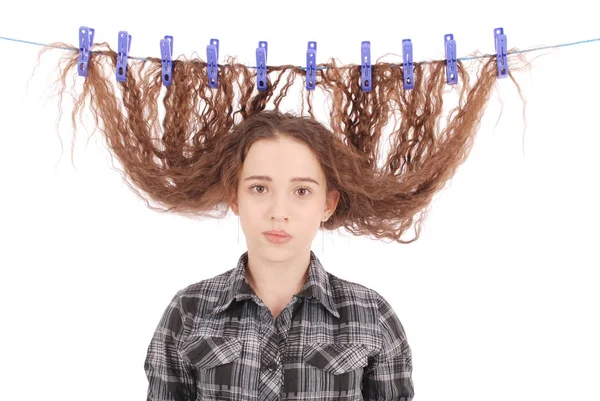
(281, 234)
(277, 239)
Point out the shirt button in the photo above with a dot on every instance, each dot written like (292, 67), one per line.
(272, 365)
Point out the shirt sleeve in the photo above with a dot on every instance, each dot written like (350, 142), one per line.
(170, 378)
(388, 376)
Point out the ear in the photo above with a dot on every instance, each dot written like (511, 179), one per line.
(234, 206)
(333, 198)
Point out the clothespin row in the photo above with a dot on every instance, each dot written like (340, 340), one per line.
(86, 41)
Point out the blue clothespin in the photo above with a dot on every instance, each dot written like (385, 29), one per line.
(365, 57)
(166, 51)
(501, 60)
(451, 67)
(122, 55)
(212, 63)
(86, 40)
(407, 56)
(311, 65)
(261, 65)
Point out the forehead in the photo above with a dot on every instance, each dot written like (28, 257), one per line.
(281, 158)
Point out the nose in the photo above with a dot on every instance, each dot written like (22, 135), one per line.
(279, 207)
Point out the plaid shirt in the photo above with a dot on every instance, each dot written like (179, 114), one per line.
(335, 340)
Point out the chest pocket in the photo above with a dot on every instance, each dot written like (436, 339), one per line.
(214, 360)
(209, 352)
(333, 370)
(335, 358)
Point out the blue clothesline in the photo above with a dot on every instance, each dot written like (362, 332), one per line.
(424, 62)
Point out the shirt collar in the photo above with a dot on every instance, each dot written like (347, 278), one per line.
(317, 286)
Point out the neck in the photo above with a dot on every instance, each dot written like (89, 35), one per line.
(277, 280)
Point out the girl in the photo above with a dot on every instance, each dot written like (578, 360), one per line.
(278, 325)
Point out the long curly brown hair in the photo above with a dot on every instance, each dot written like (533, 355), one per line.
(183, 146)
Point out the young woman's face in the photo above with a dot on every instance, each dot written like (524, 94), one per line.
(281, 187)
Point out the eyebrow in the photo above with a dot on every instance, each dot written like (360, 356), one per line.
(267, 178)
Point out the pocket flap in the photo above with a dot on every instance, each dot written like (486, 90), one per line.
(208, 352)
(336, 358)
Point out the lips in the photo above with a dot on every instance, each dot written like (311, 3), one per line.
(279, 233)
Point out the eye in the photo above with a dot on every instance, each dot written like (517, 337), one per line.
(299, 189)
(304, 188)
(254, 186)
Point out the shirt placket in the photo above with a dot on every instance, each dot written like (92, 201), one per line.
(273, 344)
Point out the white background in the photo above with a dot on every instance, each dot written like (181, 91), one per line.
(499, 297)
